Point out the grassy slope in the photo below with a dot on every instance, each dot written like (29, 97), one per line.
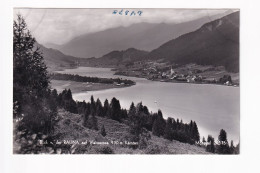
(70, 128)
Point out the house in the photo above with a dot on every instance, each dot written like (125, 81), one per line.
(228, 83)
(172, 71)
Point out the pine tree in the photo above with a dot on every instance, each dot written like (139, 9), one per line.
(139, 108)
(115, 112)
(211, 144)
(54, 93)
(177, 124)
(106, 108)
(158, 125)
(195, 132)
(91, 122)
(237, 149)
(67, 101)
(132, 111)
(146, 110)
(174, 124)
(92, 105)
(103, 131)
(81, 107)
(30, 72)
(99, 108)
(168, 129)
(222, 136)
(31, 91)
(232, 148)
(203, 140)
(223, 142)
(86, 114)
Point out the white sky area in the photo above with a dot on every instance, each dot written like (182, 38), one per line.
(59, 26)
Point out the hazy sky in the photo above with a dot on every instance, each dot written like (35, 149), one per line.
(61, 25)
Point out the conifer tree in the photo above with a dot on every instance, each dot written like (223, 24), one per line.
(86, 114)
(195, 132)
(203, 140)
(132, 111)
(91, 122)
(223, 147)
(99, 108)
(92, 105)
(30, 81)
(30, 72)
(103, 131)
(232, 147)
(222, 137)
(158, 125)
(168, 129)
(115, 113)
(139, 108)
(106, 108)
(211, 144)
(146, 111)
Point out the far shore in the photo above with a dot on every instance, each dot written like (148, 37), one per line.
(176, 81)
(77, 87)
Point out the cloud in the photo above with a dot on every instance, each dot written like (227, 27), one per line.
(61, 25)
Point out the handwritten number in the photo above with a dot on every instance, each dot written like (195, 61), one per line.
(114, 12)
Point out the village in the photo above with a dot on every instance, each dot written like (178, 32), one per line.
(191, 73)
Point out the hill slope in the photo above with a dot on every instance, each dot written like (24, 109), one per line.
(144, 36)
(56, 60)
(70, 128)
(116, 58)
(215, 43)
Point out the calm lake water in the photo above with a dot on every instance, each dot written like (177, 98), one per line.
(213, 107)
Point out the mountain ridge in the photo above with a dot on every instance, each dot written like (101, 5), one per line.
(214, 43)
(143, 36)
(55, 59)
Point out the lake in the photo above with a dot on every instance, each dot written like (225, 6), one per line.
(213, 107)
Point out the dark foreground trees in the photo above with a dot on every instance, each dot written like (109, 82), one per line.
(103, 131)
(211, 144)
(32, 97)
(159, 125)
(139, 118)
(222, 146)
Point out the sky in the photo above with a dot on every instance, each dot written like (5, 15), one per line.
(59, 26)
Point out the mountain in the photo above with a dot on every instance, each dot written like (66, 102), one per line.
(215, 43)
(56, 60)
(143, 36)
(118, 57)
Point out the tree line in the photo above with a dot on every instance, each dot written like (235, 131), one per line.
(78, 78)
(221, 146)
(138, 117)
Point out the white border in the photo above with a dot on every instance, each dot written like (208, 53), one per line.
(250, 89)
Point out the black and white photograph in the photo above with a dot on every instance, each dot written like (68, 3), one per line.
(126, 81)
(129, 86)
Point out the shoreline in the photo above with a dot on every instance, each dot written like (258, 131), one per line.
(175, 81)
(115, 70)
(77, 87)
